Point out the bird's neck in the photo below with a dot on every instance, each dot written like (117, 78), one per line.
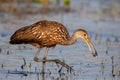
(71, 40)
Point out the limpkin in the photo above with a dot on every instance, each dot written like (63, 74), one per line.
(48, 34)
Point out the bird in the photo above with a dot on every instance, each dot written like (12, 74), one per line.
(47, 34)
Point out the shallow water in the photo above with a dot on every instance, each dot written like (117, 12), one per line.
(105, 34)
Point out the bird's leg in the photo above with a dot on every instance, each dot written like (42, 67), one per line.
(37, 55)
(45, 54)
(44, 59)
(57, 61)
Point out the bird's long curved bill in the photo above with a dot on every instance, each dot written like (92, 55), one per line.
(91, 47)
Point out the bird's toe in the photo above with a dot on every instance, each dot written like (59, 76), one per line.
(36, 59)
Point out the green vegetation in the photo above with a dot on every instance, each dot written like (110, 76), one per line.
(66, 2)
(38, 1)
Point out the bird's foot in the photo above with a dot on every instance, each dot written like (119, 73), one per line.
(57, 61)
(36, 59)
(44, 58)
(40, 60)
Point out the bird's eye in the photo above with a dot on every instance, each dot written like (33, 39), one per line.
(84, 34)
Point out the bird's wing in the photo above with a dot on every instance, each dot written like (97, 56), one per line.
(57, 33)
(45, 33)
(26, 34)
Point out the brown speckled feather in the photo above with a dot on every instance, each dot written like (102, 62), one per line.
(41, 34)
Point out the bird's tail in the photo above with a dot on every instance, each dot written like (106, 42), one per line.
(15, 42)
(15, 39)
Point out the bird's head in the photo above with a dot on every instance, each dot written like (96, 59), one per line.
(81, 33)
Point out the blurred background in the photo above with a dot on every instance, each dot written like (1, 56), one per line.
(101, 18)
(68, 12)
